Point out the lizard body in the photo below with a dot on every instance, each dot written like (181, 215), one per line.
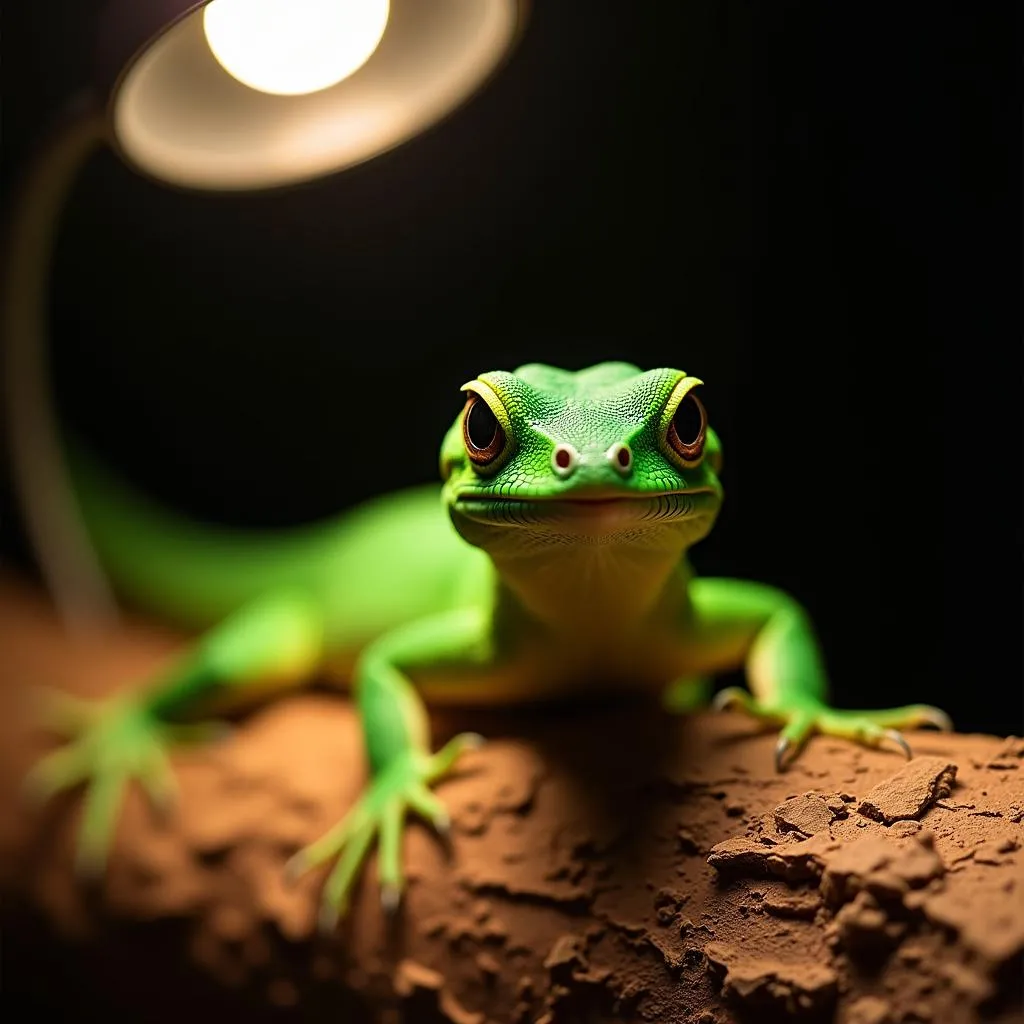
(552, 562)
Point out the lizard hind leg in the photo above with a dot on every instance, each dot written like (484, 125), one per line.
(126, 738)
(109, 745)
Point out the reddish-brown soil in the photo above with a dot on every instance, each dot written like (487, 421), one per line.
(605, 864)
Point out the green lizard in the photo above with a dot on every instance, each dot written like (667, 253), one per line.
(552, 561)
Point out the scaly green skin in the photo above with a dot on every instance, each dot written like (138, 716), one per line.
(523, 579)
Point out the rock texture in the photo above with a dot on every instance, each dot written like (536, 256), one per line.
(605, 864)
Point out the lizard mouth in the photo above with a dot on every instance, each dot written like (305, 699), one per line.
(598, 511)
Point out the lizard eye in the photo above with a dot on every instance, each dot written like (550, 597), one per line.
(481, 432)
(688, 430)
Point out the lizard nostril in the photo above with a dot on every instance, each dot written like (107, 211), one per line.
(620, 456)
(564, 459)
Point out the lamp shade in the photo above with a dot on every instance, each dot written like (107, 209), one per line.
(177, 115)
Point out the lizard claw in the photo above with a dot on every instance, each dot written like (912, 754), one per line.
(730, 697)
(295, 867)
(442, 823)
(327, 918)
(782, 747)
(390, 898)
(936, 718)
(897, 738)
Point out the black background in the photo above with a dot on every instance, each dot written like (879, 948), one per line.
(814, 207)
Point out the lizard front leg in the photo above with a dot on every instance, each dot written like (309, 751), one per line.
(401, 763)
(737, 623)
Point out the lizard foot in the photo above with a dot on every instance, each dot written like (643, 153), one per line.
(110, 743)
(799, 721)
(401, 786)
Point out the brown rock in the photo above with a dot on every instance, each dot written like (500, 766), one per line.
(996, 851)
(796, 989)
(865, 929)
(411, 977)
(986, 918)
(803, 906)
(911, 791)
(687, 841)
(807, 814)
(795, 862)
(1010, 757)
(968, 982)
(887, 869)
(488, 966)
(566, 957)
(425, 999)
(868, 1010)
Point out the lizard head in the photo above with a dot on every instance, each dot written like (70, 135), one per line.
(609, 454)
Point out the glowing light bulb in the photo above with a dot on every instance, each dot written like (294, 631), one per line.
(293, 47)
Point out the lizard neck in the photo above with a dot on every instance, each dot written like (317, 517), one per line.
(599, 591)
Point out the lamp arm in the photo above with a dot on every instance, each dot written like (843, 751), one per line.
(39, 473)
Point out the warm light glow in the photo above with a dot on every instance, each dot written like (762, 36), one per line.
(294, 47)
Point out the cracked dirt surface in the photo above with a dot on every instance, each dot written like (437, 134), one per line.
(605, 864)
